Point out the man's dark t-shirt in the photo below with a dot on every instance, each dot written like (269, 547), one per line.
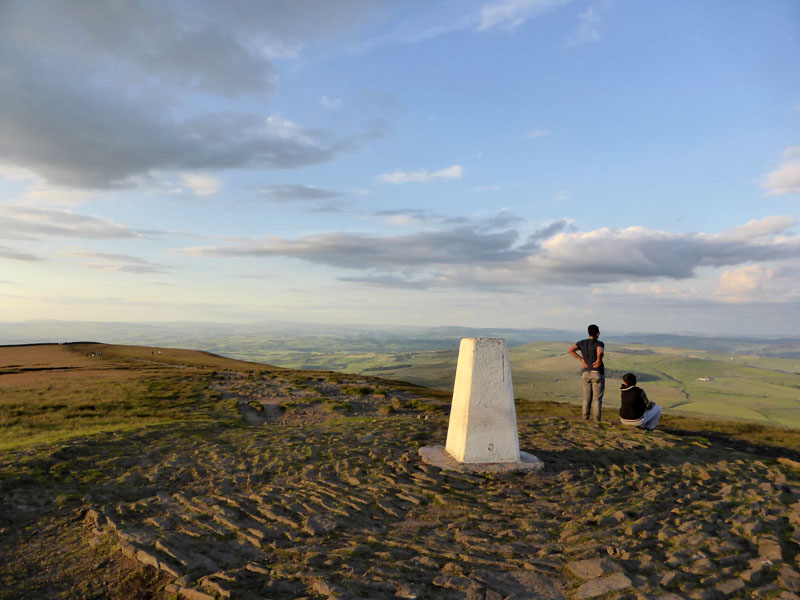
(588, 350)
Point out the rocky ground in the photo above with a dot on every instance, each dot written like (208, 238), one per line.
(321, 493)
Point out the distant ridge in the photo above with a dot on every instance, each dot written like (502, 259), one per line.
(234, 338)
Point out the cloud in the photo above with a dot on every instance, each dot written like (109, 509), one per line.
(786, 178)
(510, 14)
(351, 250)
(389, 281)
(111, 261)
(417, 216)
(296, 192)
(637, 253)
(201, 184)
(744, 282)
(763, 283)
(422, 176)
(23, 222)
(589, 29)
(103, 95)
(136, 269)
(12, 254)
(330, 103)
(490, 253)
(537, 133)
(477, 243)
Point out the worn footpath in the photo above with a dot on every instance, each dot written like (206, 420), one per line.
(315, 500)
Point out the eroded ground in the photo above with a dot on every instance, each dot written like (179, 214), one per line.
(319, 492)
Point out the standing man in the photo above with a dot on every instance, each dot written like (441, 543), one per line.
(594, 373)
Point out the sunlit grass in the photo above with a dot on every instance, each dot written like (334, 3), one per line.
(117, 390)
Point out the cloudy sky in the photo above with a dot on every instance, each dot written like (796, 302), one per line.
(504, 163)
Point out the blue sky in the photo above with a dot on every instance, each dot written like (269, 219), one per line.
(506, 163)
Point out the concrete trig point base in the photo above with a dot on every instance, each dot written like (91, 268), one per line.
(482, 435)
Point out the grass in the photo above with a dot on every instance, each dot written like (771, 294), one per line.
(120, 388)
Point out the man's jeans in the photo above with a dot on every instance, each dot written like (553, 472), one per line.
(594, 385)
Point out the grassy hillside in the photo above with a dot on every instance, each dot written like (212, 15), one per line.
(50, 393)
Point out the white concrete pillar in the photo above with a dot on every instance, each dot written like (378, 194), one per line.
(483, 420)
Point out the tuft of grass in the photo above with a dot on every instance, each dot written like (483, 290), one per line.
(340, 407)
(356, 390)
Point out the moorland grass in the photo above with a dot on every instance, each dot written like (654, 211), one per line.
(118, 389)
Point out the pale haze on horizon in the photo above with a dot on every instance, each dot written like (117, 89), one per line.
(506, 163)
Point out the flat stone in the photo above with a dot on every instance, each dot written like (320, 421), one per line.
(324, 588)
(789, 578)
(193, 594)
(455, 582)
(667, 577)
(147, 558)
(519, 585)
(603, 585)
(319, 525)
(643, 524)
(770, 549)
(730, 586)
(591, 568)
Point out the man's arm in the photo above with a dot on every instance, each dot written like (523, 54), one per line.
(599, 357)
(573, 352)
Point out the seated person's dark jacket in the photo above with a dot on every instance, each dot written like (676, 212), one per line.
(633, 403)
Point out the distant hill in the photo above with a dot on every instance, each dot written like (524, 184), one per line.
(248, 340)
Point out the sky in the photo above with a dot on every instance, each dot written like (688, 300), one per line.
(487, 163)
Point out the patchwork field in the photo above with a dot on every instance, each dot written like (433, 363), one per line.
(137, 472)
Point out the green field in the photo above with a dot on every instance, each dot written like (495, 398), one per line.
(750, 387)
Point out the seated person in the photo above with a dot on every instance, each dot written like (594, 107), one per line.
(635, 409)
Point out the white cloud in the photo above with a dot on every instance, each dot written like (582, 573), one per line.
(537, 133)
(786, 178)
(14, 254)
(112, 261)
(495, 254)
(43, 194)
(744, 283)
(638, 253)
(201, 184)
(422, 176)
(758, 228)
(330, 103)
(25, 222)
(509, 14)
(589, 29)
(762, 283)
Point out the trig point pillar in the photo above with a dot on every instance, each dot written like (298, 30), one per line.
(482, 436)
(483, 421)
